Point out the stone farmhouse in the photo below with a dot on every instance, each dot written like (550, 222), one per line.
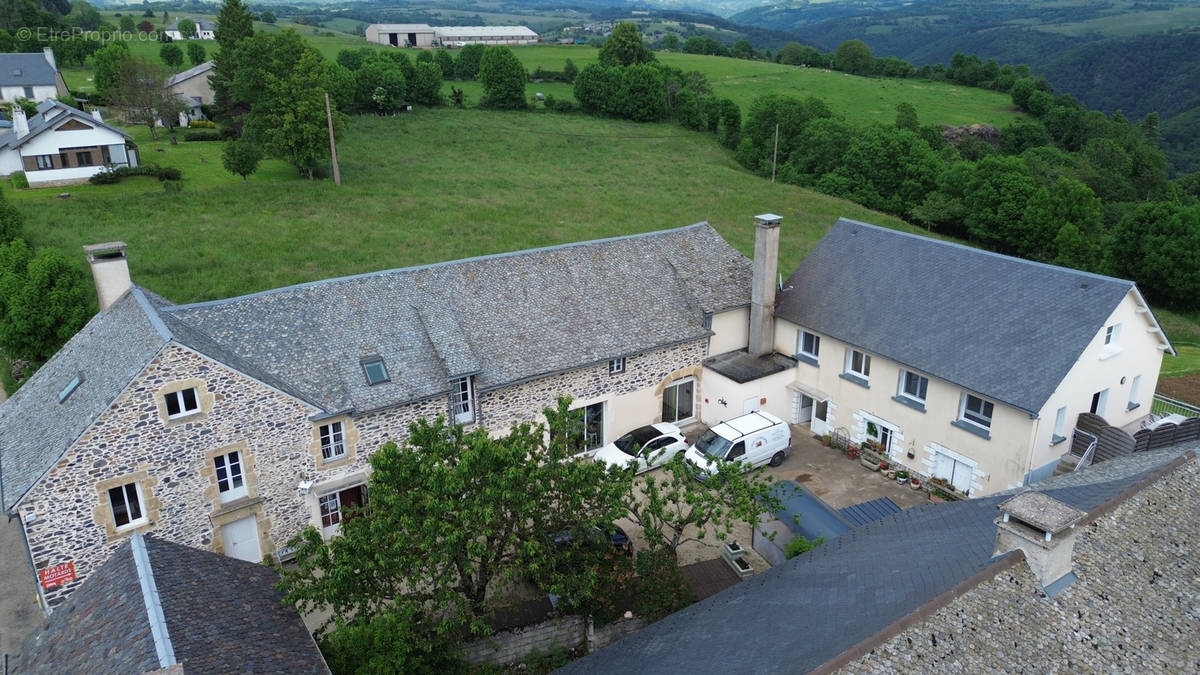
(61, 145)
(230, 425)
(31, 76)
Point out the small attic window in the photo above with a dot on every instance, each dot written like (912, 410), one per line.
(66, 391)
(374, 369)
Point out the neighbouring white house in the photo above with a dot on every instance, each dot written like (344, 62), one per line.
(193, 87)
(62, 145)
(962, 364)
(34, 76)
(205, 30)
(426, 36)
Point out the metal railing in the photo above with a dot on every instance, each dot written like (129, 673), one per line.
(1163, 406)
(1085, 458)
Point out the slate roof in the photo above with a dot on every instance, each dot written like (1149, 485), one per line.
(38, 124)
(221, 615)
(509, 317)
(35, 428)
(189, 73)
(800, 614)
(201, 24)
(1005, 328)
(26, 70)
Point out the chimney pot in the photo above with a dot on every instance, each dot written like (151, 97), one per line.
(110, 271)
(96, 115)
(48, 52)
(762, 293)
(1044, 528)
(20, 122)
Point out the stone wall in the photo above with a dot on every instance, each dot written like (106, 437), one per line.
(565, 632)
(500, 408)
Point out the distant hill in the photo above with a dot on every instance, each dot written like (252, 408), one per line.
(1137, 57)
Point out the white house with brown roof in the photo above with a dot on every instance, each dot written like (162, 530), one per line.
(62, 145)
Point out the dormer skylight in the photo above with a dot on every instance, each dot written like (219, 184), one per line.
(70, 388)
(374, 369)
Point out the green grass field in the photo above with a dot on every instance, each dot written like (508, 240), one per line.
(1186, 363)
(424, 187)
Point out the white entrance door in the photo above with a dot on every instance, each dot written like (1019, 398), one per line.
(241, 539)
(806, 410)
(750, 405)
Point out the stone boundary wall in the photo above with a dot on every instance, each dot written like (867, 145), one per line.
(566, 632)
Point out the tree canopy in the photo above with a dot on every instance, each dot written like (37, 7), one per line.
(503, 77)
(624, 46)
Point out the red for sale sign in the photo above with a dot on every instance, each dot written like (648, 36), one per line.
(59, 574)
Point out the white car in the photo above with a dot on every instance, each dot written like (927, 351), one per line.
(644, 448)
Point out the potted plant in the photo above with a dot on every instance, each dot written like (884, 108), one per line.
(916, 483)
(852, 453)
(826, 440)
(901, 477)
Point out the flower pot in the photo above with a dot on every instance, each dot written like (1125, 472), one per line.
(916, 485)
(901, 480)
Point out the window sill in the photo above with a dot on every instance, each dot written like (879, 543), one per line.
(1133, 406)
(912, 403)
(972, 428)
(1055, 440)
(1109, 352)
(856, 380)
(805, 358)
(183, 416)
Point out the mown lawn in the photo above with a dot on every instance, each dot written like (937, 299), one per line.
(1186, 363)
(424, 187)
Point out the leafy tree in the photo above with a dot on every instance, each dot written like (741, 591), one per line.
(466, 65)
(661, 589)
(674, 507)
(854, 56)
(1021, 135)
(107, 65)
(44, 300)
(241, 157)
(12, 223)
(140, 96)
(906, 117)
(796, 54)
(267, 16)
(341, 84)
(445, 61)
(380, 74)
(704, 45)
(424, 56)
(399, 639)
(234, 24)
(171, 55)
(600, 90)
(1158, 245)
(451, 513)
(885, 168)
(996, 195)
(670, 42)
(1067, 202)
(289, 118)
(196, 53)
(503, 79)
(645, 97)
(145, 27)
(624, 47)
(893, 67)
(820, 148)
(1020, 92)
(730, 127)
(426, 87)
(742, 49)
(570, 71)
(1071, 249)
(687, 112)
(790, 114)
(1039, 103)
(187, 28)
(127, 24)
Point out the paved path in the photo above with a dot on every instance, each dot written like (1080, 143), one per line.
(19, 611)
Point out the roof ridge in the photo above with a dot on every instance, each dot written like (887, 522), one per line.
(154, 610)
(982, 251)
(436, 265)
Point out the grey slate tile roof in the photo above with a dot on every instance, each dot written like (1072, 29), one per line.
(808, 610)
(25, 70)
(1003, 327)
(189, 73)
(222, 615)
(35, 428)
(38, 124)
(509, 317)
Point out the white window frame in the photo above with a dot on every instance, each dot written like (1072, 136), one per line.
(922, 386)
(1133, 392)
(616, 366)
(674, 385)
(178, 397)
(1112, 341)
(1060, 425)
(140, 502)
(462, 400)
(864, 364)
(234, 471)
(45, 162)
(801, 336)
(333, 441)
(368, 364)
(963, 410)
(65, 392)
(332, 514)
(1101, 402)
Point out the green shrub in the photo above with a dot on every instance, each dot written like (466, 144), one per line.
(661, 587)
(201, 124)
(115, 174)
(194, 136)
(19, 180)
(800, 545)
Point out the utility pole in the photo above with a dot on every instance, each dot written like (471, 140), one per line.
(337, 174)
(774, 155)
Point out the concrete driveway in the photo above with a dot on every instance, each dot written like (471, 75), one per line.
(20, 614)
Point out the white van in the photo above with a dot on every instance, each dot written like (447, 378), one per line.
(754, 439)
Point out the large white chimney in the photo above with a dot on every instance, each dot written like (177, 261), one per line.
(1044, 528)
(110, 271)
(20, 122)
(762, 295)
(49, 53)
(96, 115)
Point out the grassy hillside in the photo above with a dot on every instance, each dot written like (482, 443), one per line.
(429, 186)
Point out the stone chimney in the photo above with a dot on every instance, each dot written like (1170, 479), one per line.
(1044, 528)
(49, 53)
(20, 122)
(762, 294)
(110, 271)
